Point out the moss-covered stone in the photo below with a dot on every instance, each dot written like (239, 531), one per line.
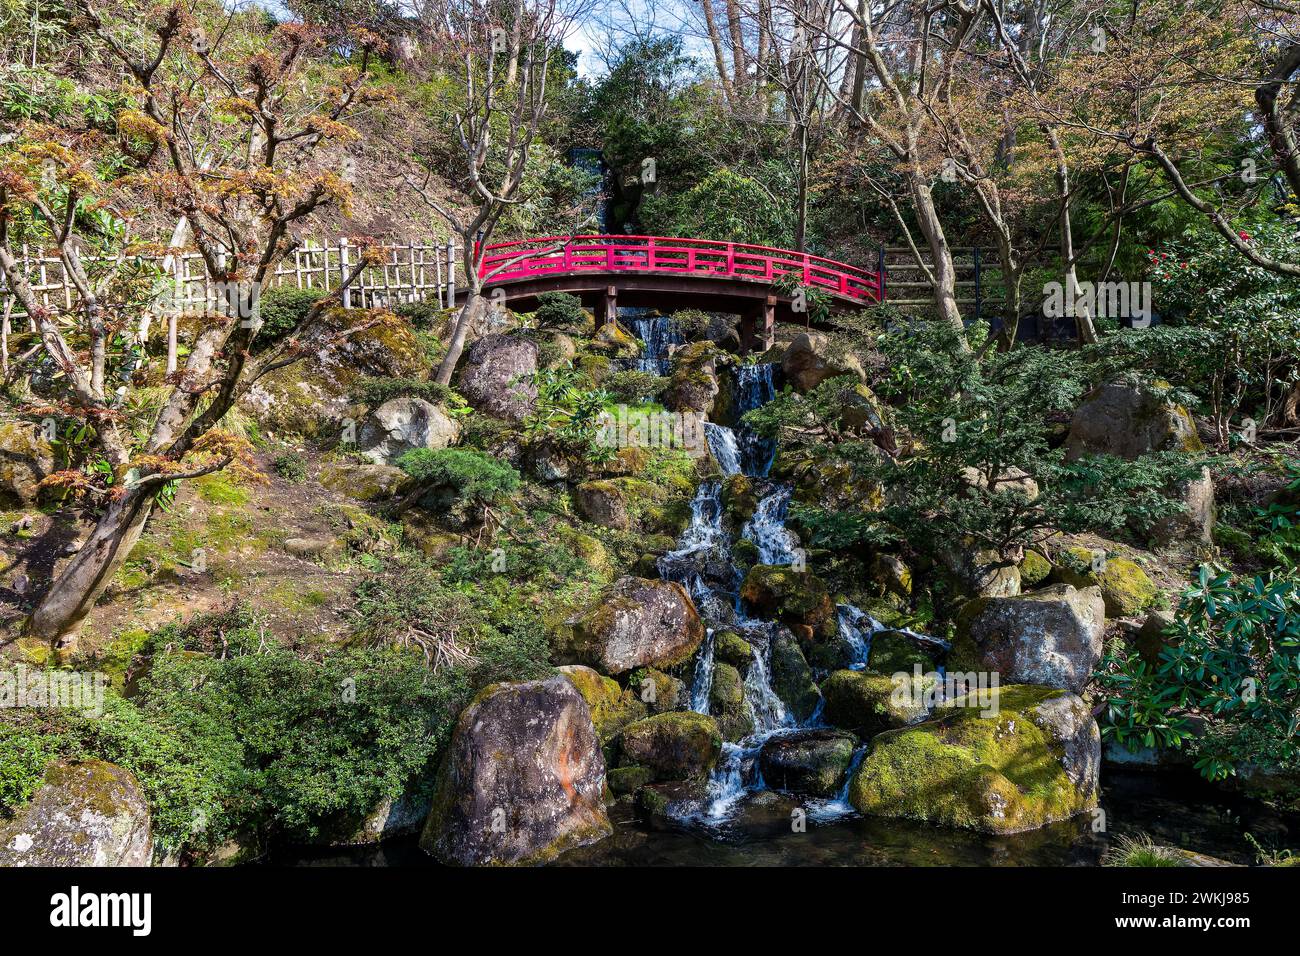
(739, 498)
(727, 702)
(612, 708)
(792, 678)
(793, 597)
(1034, 569)
(625, 780)
(614, 341)
(25, 459)
(894, 651)
(681, 745)
(735, 650)
(660, 692)
(693, 383)
(1125, 587)
(811, 762)
(637, 622)
(1017, 771)
(362, 481)
(91, 813)
(866, 703)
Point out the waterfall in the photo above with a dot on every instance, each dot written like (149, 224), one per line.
(702, 683)
(660, 335)
(754, 388)
(776, 543)
(723, 444)
(590, 161)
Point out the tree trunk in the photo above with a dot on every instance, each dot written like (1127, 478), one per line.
(945, 273)
(474, 307)
(71, 597)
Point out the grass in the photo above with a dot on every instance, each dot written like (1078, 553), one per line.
(1141, 851)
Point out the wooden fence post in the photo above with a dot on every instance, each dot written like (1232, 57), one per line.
(343, 272)
(451, 273)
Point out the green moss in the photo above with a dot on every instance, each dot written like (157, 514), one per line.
(625, 780)
(727, 703)
(1034, 569)
(894, 651)
(612, 708)
(221, 488)
(1125, 587)
(681, 745)
(796, 597)
(731, 647)
(865, 702)
(995, 774)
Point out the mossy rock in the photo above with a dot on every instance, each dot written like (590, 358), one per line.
(811, 762)
(744, 553)
(681, 745)
(867, 704)
(25, 459)
(891, 575)
(612, 708)
(1033, 764)
(727, 703)
(1034, 569)
(614, 341)
(693, 384)
(739, 498)
(792, 678)
(362, 481)
(660, 692)
(793, 597)
(735, 650)
(894, 651)
(1125, 587)
(625, 780)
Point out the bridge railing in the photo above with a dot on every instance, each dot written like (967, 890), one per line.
(703, 258)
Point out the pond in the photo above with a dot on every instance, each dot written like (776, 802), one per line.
(1175, 809)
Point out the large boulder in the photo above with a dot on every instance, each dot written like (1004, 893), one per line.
(25, 459)
(602, 503)
(364, 481)
(1125, 587)
(637, 622)
(809, 360)
(811, 762)
(1034, 762)
(496, 379)
(867, 704)
(792, 678)
(1052, 636)
(523, 779)
(681, 745)
(1195, 522)
(796, 598)
(85, 814)
(314, 398)
(1129, 419)
(893, 651)
(404, 424)
(693, 385)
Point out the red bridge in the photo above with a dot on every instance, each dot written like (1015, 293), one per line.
(757, 282)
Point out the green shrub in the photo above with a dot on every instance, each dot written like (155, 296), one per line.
(421, 315)
(290, 466)
(472, 476)
(373, 392)
(559, 310)
(1234, 657)
(633, 386)
(283, 309)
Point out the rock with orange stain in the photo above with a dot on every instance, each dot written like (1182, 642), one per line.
(523, 779)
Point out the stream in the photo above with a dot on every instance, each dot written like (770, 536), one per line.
(740, 821)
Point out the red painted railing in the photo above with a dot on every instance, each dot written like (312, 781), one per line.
(562, 255)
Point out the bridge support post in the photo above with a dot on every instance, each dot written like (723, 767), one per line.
(607, 311)
(758, 327)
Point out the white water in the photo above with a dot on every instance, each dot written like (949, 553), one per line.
(702, 562)
(776, 543)
(660, 336)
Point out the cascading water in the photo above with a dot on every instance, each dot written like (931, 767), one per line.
(702, 562)
(660, 335)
